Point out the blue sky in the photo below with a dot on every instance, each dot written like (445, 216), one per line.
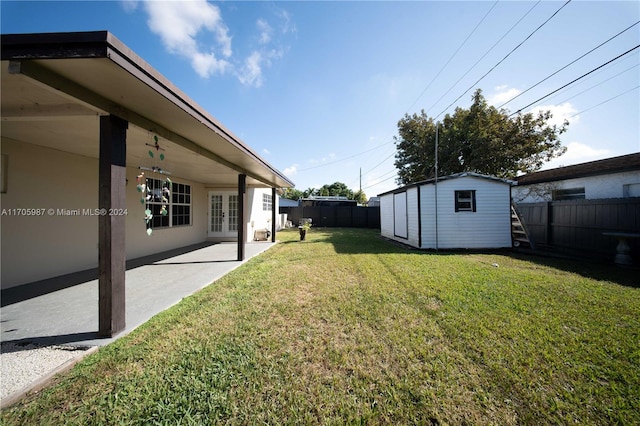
(317, 88)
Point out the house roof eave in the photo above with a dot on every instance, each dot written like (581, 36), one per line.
(55, 52)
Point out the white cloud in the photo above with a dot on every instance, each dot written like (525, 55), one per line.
(265, 31)
(578, 153)
(501, 95)
(129, 5)
(179, 23)
(560, 113)
(195, 30)
(290, 171)
(251, 73)
(287, 26)
(266, 151)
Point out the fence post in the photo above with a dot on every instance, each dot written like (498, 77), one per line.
(548, 213)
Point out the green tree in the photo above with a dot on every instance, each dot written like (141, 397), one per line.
(480, 139)
(336, 189)
(360, 197)
(292, 194)
(309, 192)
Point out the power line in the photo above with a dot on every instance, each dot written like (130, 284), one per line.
(442, 69)
(454, 54)
(596, 85)
(573, 81)
(377, 165)
(570, 63)
(503, 59)
(483, 56)
(592, 76)
(346, 158)
(604, 102)
(394, 171)
(445, 65)
(378, 183)
(386, 173)
(484, 17)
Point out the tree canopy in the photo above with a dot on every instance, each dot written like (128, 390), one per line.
(480, 139)
(334, 189)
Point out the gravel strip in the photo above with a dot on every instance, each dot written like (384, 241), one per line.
(25, 363)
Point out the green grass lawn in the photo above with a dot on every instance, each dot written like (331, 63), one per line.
(346, 328)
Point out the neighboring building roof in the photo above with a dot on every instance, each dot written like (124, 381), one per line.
(285, 202)
(51, 78)
(327, 198)
(448, 177)
(607, 166)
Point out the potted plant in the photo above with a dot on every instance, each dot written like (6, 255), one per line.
(305, 225)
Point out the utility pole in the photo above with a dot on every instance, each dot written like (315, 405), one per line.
(435, 188)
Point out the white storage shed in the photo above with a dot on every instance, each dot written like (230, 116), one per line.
(460, 211)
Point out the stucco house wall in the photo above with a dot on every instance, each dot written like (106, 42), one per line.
(259, 218)
(615, 185)
(56, 185)
(615, 177)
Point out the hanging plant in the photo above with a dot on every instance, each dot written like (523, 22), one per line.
(145, 186)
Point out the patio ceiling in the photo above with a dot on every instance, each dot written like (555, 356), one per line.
(56, 86)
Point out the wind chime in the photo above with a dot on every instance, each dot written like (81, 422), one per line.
(148, 192)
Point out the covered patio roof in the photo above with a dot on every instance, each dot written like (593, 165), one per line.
(56, 86)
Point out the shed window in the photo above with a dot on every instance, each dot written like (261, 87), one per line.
(465, 201)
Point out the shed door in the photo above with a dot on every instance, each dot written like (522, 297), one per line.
(400, 228)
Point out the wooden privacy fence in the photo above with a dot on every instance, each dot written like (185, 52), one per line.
(339, 216)
(579, 224)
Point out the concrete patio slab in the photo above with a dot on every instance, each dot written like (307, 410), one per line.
(68, 315)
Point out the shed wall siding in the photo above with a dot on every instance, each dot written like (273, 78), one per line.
(412, 217)
(488, 227)
(386, 216)
(427, 208)
(387, 219)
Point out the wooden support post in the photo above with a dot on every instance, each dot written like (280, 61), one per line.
(273, 214)
(111, 227)
(242, 227)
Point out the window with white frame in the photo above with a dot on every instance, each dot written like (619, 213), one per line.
(170, 203)
(267, 202)
(465, 201)
(180, 204)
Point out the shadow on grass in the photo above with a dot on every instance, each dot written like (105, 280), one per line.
(629, 277)
(369, 241)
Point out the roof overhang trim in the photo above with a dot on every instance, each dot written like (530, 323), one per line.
(26, 52)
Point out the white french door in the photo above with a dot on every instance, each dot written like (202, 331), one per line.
(223, 214)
